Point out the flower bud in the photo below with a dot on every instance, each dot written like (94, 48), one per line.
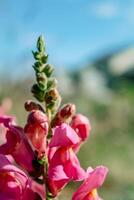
(67, 111)
(42, 81)
(38, 93)
(52, 83)
(31, 105)
(48, 70)
(40, 44)
(51, 96)
(36, 55)
(64, 114)
(44, 58)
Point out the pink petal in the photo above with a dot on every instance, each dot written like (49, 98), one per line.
(94, 180)
(81, 125)
(63, 136)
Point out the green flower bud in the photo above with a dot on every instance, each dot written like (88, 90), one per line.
(44, 58)
(42, 80)
(52, 83)
(38, 93)
(40, 44)
(37, 66)
(48, 70)
(37, 55)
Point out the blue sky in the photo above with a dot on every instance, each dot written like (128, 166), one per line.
(74, 29)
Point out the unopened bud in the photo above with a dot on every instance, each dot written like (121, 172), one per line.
(38, 93)
(40, 44)
(37, 66)
(52, 83)
(42, 80)
(64, 114)
(52, 95)
(37, 55)
(48, 70)
(67, 111)
(31, 105)
(44, 58)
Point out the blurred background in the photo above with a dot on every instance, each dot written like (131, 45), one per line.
(91, 45)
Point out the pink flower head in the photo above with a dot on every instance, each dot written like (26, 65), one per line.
(63, 163)
(17, 145)
(81, 125)
(16, 185)
(94, 180)
(37, 129)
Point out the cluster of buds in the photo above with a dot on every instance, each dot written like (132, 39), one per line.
(39, 160)
(45, 88)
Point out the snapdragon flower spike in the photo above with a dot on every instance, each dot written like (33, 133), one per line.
(36, 130)
(16, 185)
(94, 180)
(63, 163)
(17, 145)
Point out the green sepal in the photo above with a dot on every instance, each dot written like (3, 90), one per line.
(37, 55)
(43, 160)
(49, 196)
(37, 66)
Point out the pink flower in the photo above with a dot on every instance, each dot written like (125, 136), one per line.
(64, 167)
(16, 185)
(81, 125)
(88, 189)
(17, 145)
(63, 163)
(37, 129)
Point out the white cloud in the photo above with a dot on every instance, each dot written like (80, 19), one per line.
(105, 10)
